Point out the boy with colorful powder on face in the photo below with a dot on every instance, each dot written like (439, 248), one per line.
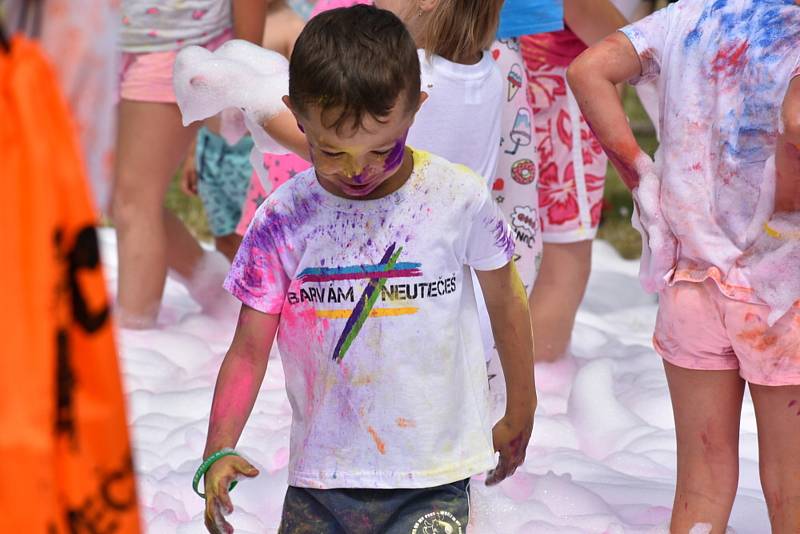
(362, 267)
(720, 216)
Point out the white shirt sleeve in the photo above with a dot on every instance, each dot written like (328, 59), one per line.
(648, 37)
(257, 276)
(490, 244)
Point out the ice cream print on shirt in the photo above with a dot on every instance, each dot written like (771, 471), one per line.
(377, 303)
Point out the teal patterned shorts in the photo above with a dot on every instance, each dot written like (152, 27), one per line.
(223, 177)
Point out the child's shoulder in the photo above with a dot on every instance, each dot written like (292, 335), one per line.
(290, 197)
(458, 180)
(427, 163)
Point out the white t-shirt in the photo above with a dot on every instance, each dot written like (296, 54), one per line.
(460, 121)
(722, 70)
(162, 25)
(385, 373)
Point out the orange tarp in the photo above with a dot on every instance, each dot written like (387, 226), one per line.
(66, 458)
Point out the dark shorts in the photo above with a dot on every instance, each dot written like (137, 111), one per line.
(441, 510)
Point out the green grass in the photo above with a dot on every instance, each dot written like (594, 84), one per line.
(615, 226)
(189, 209)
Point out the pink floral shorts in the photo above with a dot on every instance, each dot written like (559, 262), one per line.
(571, 174)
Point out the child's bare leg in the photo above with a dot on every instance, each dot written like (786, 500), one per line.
(151, 143)
(228, 245)
(184, 252)
(556, 296)
(778, 417)
(707, 406)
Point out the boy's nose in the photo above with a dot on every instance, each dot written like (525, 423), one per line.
(354, 167)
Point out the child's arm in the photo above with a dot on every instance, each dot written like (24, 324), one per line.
(235, 394)
(283, 129)
(507, 304)
(592, 20)
(248, 19)
(592, 78)
(281, 28)
(787, 154)
(189, 170)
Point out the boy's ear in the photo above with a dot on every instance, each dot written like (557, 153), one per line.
(423, 96)
(288, 103)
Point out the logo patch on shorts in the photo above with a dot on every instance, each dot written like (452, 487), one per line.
(440, 522)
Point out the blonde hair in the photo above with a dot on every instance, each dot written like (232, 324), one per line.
(461, 28)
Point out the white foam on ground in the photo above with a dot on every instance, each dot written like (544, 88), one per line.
(602, 459)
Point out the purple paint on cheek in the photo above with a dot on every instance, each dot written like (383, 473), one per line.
(395, 158)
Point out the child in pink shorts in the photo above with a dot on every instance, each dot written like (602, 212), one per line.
(720, 215)
(152, 143)
(572, 170)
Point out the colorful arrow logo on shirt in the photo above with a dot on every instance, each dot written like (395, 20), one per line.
(377, 275)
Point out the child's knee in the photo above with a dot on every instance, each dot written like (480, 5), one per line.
(779, 481)
(714, 458)
(125, 210)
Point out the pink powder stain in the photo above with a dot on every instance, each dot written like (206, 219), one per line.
(731, 59)
(198, 14)
(751, 317)
(791, 403)
(236, 401)
(302, 326)
(152, 33)
(758, 339)
(153, 11)
(126, 21)
(280, 459)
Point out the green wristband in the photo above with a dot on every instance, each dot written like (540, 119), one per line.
(206, 465)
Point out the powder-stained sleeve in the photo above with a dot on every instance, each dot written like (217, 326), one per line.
(796, 70)
(257, 276)
(491, 241)
(648, 37)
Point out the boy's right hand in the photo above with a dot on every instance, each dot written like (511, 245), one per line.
(217, 481)
(189, 175)
(510, 436)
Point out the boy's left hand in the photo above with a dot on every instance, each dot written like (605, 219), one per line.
(511, 437)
